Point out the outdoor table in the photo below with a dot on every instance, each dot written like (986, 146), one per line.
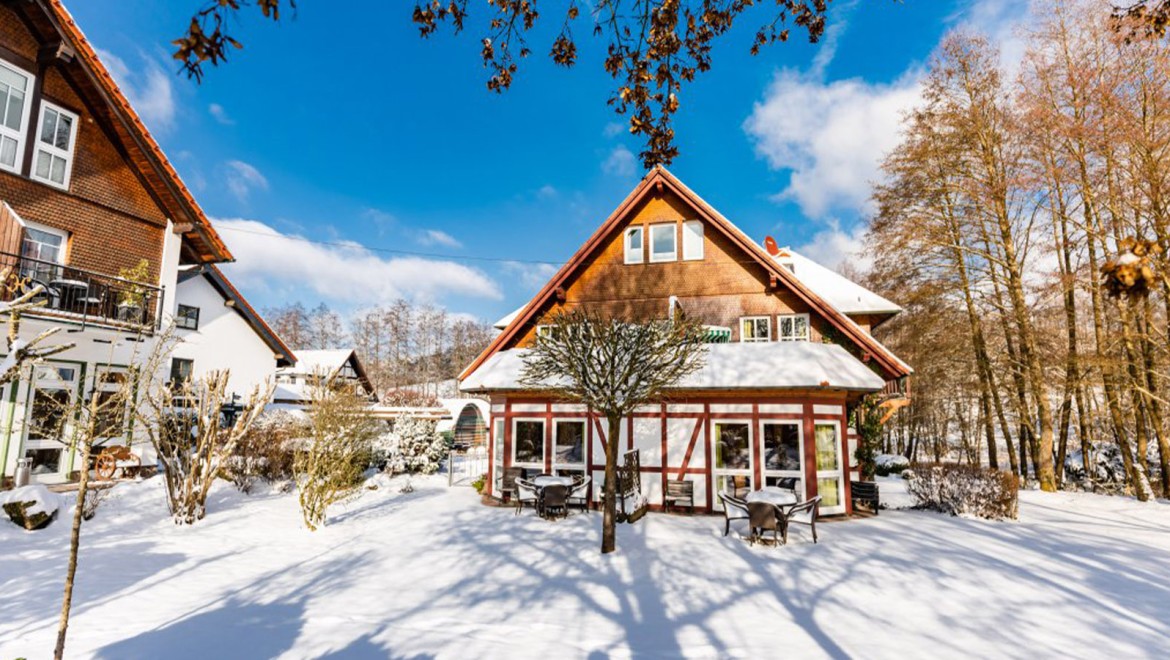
(772, 495)
(71, 291)
(541, 482)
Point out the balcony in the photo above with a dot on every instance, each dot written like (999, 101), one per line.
(85, 297)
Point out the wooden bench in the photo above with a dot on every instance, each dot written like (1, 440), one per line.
(866, 493)
(679, 492)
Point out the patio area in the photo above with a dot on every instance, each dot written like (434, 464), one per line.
(436, 574)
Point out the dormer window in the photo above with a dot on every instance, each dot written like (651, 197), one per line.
(692, 234)
(792, 327)
(633, 245)
(15, 86)
(663, 242)
(54, 156)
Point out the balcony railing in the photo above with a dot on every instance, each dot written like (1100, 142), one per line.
(84, 296)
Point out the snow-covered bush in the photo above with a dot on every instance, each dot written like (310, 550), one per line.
(330, 463)
(965, 489)
(887, 464)
(266, 452)
(415, 447)
(31, 507)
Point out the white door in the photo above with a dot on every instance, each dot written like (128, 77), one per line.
(47, 437)
(830, 469)
(732, 458)
(782, 455)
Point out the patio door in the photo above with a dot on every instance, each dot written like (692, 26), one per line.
(830, 471)
(569, 447)
(53, 389)
(732, 458)
(782, 455)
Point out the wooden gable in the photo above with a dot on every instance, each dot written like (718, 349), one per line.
(735, 278)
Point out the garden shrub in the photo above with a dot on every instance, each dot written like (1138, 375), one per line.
(965, 489)
(479, 483)
(266, 453)
(887, 464)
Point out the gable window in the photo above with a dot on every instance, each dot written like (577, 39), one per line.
(55, 138)
(792, 327)
(187, 317)
(755, 328)
(42, 251)
(15, 86)
(633, 245)
(692, 232)
(663, 242)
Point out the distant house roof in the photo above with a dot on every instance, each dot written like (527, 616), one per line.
(738, 366)
(220, 282)
(503, 322)
(839, 291)
(318, 361)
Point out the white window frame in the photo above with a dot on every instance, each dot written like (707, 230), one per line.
(570, 467)
(798, 474)
(807, 327)
(838, 474)
(543, 449)
(20, 134)
(53, 150)
(692, 243)
(656, 258)
(630, 256)
(63, 255)
(766, 319)
(718, 474)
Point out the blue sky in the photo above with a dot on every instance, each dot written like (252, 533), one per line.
(345, 128)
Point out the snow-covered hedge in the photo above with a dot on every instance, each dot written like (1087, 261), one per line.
(887, 464)
(414, 447)
(31, 507)
(965, 490)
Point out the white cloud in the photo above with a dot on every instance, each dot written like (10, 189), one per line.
(620, 162)
(217, 111)
(242, 178)
(438, 237)
(834, 246)
(149, 91)
(285, 265)
(533, 276)
(613, 129)
(547, 191)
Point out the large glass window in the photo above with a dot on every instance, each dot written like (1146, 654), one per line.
(755, 328)
(110, 421)
(41, 249)
(48, 416)
(782, 456)
(792, 327)
(829, 473)
(663, 242)
(733, 458)
(569, 445)
(692, 232)
(528, 443)
(633, 245)
(15, 86)
(54, 147)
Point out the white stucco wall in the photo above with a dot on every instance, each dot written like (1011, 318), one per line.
(224, 340)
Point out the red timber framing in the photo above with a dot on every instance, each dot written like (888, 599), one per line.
(676, 439)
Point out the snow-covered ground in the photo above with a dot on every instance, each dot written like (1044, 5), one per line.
(435, 574)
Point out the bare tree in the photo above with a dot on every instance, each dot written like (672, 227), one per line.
(612, 366)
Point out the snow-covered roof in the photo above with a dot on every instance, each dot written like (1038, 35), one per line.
(839, 291)
(770, 365)
(503, 323)
(324, 361)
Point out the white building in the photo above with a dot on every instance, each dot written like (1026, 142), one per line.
(294, 384)
(218, 330)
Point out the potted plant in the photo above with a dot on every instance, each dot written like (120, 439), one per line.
(133, 295)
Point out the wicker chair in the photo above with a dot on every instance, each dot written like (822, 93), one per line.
(733, 509)
(554, 500)
(526, 494)
(764, 517)
(679, 492)
(579, 494)
(508, 483)
(804, 513)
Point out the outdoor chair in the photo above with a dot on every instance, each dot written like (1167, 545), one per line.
(804, 513)
(764, 517)
(733, 509)
(526, 495)
(579, 494)
(553, 500)
(867, 494)
(508, 484)
(679, 492)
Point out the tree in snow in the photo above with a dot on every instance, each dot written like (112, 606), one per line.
(612, 366)
(185, 422)
(329, 463)
(415, 447)
(22, 352)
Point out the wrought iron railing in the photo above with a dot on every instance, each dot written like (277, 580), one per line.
(83, 296)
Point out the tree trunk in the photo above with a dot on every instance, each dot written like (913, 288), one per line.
(609, 508)
(74, 546)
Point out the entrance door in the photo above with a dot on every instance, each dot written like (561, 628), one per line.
(47, 441)
(782, 456)
(830, 474)
(732, 453)
(569, 447)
